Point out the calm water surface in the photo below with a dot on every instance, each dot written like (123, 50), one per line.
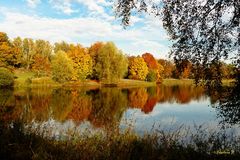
(60, 111)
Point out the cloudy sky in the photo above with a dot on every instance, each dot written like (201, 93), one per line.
(84, 22)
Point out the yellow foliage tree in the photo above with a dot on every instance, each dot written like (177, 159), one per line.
(160, 70)
(138, 68)
(82, 62)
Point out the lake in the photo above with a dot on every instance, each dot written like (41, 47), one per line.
(58, 112)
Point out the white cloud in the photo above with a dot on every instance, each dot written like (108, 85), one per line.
(33, 3)
(85, 31)
(63, 6)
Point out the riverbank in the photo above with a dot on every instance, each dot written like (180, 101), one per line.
(26, 79)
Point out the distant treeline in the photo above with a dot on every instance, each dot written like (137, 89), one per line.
(101, 61)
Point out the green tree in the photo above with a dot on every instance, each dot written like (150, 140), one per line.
(62, 67)
(111, 64)
(138, 68)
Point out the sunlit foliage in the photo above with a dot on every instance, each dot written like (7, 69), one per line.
(82, 62)
(41, 65)
(138, 68)
(94, 52)
(28, 52)
(62, 67)
(111, 64)
(7, 52)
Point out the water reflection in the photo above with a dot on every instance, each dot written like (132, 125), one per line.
(106, 107)
(228, 105)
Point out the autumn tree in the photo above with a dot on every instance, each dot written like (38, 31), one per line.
(7, 52)
(28, 52)
(183, 70)
(93, 50)
(41, 65)
(62, 67)
(62, 46)
(43, 48)
(154, 67)
(138, 68)
(18, 50)
(111, 64)
(82, 62)
(168, 66)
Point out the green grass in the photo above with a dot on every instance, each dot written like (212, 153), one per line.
(23, 77)
(134, 83)
(172, 82)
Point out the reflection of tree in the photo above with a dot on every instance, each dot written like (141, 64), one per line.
(137, 97)
(108, 107)
(150, 104)
(82, 106)
(61, 103)
(180, 93)
(8, 110)
(35, 103)
(229, 105)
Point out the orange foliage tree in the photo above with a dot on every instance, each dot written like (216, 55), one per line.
(41, 65)
(183, 69)
(168, 68)
(153, 66)
(8, 54)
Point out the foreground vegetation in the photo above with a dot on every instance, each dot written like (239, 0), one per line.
(178, 144)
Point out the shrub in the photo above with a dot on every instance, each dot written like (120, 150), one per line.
(152, 76)
(6, 78)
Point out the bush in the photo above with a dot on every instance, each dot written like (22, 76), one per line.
(6, 78)
(152, 76)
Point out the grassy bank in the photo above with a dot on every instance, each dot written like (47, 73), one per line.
(162, 145)
(172, 82)
(26, 78)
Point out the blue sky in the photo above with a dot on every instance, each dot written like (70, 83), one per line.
(84, 22)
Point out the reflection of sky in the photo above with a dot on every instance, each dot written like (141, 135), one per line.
(168, 115)
(61, 130)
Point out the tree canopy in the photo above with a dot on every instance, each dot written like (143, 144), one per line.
(203, 32)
